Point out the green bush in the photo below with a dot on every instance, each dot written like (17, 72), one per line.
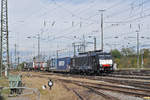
(127, 58)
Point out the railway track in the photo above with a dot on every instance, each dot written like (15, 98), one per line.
(115, 75)
(120, 89)
(94, 90)
(120, 79)
(132, 88)
(74, 91)
(138, 83)
(132, 91)
(132, 72)
(129, 76)
(132, 77)
(105, 96)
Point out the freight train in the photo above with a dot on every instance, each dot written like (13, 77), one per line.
(88, 62)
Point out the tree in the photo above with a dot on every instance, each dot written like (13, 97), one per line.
(127, 52)
(21, 66)
(146, 53)
(116, 53)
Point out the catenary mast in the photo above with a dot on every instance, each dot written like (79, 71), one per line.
(4, 44)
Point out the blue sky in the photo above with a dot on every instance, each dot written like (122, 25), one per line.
(27, 18)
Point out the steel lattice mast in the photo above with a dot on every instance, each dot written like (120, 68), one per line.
(4, 44)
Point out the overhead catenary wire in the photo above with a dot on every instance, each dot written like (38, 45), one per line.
(83, 11)
(114, 5)
(70, 29)
(70, 12)
(132, 20)
(125, 10)
(125, 20)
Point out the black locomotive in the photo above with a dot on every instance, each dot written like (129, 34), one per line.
(92, 62)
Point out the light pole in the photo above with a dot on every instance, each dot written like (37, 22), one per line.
(74, 49)
(57, 58)
(15, 56)
(94, 43)
(137, 49)
(84, 44)
(102, 29)
(142, 54)
(38, 47)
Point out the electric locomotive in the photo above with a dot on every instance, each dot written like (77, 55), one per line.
(92, 62)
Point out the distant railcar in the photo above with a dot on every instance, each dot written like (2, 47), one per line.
(43, 66)
(28, 66)
(63, 64)
(35, 65)
(40, 66)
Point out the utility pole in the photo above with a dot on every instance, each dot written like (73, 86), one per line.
(15, 55)
(57, 57)
(18, 59)
(138, 49)
(74, 51)
(11, 61)
(38, 47)
(94, 43)
(102, 29)
(84, 44)
(142, 54)
(4, 42)
(57, 54)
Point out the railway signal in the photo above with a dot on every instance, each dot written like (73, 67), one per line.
(50, 84)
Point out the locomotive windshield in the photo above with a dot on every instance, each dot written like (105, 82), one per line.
(105, 59)
(105, 56)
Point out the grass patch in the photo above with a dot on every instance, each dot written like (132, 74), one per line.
(4, 82)
(5, 92)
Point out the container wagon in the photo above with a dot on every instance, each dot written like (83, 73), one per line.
(60, 64)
